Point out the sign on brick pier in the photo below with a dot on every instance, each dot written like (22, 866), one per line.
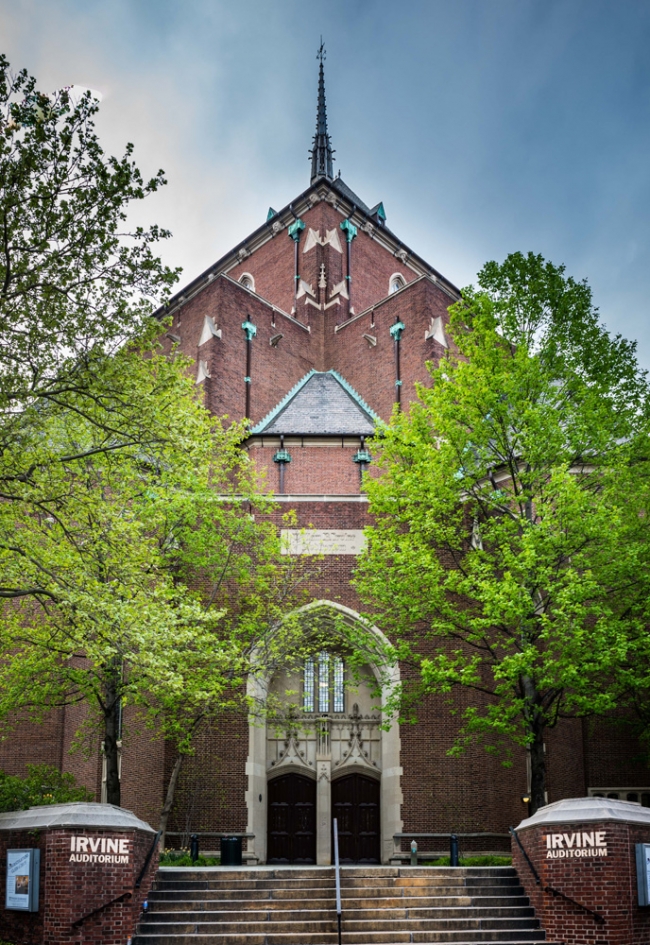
(97, 863)
(577, 860)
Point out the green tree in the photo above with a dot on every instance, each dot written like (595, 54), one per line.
(73, 278)
(76, 284)
(129, 577)
(98, 543)
(510, 552)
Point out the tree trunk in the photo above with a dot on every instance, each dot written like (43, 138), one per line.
(111, 747)
(535, 726)
(169, 799)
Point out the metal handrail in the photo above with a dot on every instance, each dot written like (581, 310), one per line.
(211, 833)
(337, 876)
(147, 861)
(125, 895)
(440, 836)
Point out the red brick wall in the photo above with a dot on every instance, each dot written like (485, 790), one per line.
(211, 786)
(69, 891)
(81, 750)
(26, 743)
(613, 756)
(276, 369)
(606, 885)
(313, 470)
(272, 265)
(143, 776)
(371, 369)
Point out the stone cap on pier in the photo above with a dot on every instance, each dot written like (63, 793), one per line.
(580, 810)
(79, 814)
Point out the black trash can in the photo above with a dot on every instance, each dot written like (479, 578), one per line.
(231, 851)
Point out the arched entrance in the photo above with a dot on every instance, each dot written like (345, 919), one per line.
(292, 819)
(355, 805)
(325, 747)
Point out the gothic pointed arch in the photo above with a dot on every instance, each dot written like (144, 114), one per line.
(363, 739)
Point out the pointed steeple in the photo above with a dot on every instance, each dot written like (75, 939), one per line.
(321, 154)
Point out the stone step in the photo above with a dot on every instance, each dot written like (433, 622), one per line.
(307, 886)
(282, 872)
(377, 924)
(381, 906)
(347, 895)
(309, 914)
(386, 873)
(351, 938)
(168, 903)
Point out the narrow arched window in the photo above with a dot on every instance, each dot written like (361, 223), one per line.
(396, 283)
(247, 281)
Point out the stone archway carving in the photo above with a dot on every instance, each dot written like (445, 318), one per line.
(351, 742)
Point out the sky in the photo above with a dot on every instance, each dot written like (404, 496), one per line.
(484, 126)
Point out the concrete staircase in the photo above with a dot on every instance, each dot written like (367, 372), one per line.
(381, 904)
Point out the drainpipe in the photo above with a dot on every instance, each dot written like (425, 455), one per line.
(350, 231)
(363, 459)
(251, 330)
(282, 457)
(396, 334)
(294, 232)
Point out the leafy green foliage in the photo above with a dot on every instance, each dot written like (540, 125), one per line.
(183, 858)
(101, 539)
(44, 784)
(511, 553)
(73, 279)
(488, 860)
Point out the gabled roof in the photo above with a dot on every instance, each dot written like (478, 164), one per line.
(321, 404)
(283, 218)
(339, 184)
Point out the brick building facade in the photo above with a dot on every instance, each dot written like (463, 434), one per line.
(312, 328)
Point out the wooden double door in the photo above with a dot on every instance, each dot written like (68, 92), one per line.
(355, 805)
(292, 819)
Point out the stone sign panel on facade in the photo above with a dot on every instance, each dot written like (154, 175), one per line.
(322, 541)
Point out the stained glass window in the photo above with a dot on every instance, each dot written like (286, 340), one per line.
(323, 682)
(339, 701)
(308, 686)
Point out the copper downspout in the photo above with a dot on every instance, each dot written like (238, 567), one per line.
(396, 333)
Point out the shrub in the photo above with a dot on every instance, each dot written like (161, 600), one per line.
(43, 784)
(182, 858)
(472, 861)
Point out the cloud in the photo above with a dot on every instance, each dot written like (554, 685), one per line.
(484, 127)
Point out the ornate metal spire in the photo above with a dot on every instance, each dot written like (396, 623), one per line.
(321, 153)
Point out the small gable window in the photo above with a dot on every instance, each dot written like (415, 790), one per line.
(247, 281)
(396, 283)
